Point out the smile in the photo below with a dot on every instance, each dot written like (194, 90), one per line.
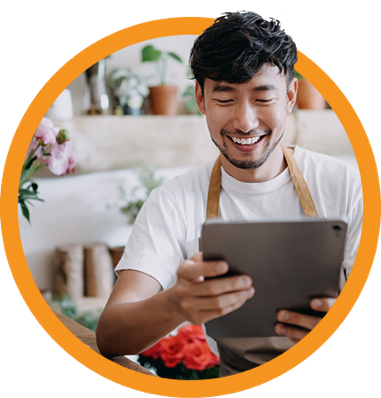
(245, 141)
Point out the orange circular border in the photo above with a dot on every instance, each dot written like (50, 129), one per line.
(129, 378)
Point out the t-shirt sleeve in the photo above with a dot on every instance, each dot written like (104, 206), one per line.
(155, 246)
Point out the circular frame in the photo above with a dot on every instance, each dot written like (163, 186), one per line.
(97, 363)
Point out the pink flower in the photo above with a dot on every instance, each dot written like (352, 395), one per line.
(72, 163)
(62, 159)
(44, 133)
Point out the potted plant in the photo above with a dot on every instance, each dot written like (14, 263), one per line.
(129, 92)
(163, 97)
(308, 97)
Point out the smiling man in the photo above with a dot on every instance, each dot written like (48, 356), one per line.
(244, 68)
(246, 122)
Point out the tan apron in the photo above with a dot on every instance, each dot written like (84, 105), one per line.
(240, 354)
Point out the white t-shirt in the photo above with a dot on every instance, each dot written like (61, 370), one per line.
(168, 226)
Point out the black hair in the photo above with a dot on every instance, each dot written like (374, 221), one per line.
(237, 46)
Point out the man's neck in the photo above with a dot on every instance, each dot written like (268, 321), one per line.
(273, 166)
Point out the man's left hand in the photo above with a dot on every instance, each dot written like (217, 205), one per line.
(295, 325)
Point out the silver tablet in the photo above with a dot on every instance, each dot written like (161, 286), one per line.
(290, 262)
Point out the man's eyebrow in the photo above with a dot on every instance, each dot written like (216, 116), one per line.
(265, 87)
(220, 88)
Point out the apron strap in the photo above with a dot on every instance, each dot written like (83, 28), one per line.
(308, 206)
(213, 205)
(300, 184)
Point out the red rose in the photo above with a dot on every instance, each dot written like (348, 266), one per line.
(214, 360)
(172, 350)
(192, 333)
(197, 356)
(154, 351)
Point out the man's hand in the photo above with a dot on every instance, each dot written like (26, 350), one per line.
(199, 299)
(303, 323)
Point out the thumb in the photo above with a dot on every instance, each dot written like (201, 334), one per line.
(197, 257)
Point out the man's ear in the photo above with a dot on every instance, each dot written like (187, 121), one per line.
(291, 94)
(199, 98)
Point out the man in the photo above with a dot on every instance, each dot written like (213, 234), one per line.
(243, 66)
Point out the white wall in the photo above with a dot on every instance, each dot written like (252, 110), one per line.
(130, 57)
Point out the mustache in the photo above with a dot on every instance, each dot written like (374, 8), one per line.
(225, 132)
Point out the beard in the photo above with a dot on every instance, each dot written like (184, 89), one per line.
(247, 164)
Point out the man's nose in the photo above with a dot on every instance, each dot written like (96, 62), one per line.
(245, 118)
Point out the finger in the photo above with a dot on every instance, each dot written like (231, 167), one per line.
(216, 287)
(204, 309)
(198, 258)
(297, 319)
(220, 305)
(322, 304)
(193, 270)
(224, 300)
(225, 304)
(294, 334)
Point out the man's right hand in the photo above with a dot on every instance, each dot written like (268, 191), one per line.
(138, 313)
(199, 299)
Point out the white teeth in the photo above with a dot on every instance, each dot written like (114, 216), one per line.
(245, 141)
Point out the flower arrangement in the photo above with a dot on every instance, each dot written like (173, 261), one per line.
(49, 147)
(185, 355)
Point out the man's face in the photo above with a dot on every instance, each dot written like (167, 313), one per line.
(246, 121)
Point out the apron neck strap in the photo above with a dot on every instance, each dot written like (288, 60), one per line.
(300, 184)
(213, 205)
(308, 206)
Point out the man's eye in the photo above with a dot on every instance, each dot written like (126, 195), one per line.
(223, 101)
(264, 101)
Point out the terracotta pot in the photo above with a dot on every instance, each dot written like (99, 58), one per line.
(164, 100)
(308, 97)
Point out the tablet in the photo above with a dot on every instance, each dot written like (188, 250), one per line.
(290, 262)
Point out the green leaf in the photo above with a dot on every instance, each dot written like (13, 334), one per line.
(149, 53)
(23, 176)
(25, 210)
(34, 187)
(44, 152)
(25, 194)
(176, 57)
(30, 162)
(27, 174)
